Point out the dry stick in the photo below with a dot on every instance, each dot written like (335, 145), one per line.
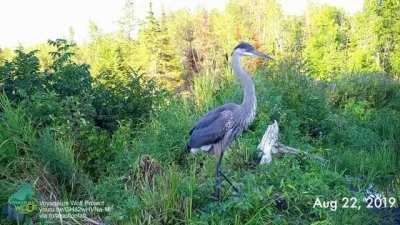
(283, 149)
(269, 144)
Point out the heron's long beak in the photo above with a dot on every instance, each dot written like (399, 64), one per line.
(261, 54)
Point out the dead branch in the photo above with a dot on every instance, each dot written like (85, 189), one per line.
(270, 145)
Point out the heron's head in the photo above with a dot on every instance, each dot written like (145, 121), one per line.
(244, 48)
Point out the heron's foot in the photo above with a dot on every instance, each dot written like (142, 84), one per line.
(217, 191)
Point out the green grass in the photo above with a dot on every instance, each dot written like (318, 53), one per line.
(149, 179)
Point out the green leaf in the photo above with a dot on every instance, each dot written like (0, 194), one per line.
(24, 193)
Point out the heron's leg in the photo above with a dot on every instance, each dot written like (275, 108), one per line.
(230, 183)
(218, 180)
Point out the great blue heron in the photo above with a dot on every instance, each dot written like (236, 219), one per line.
(214, 132)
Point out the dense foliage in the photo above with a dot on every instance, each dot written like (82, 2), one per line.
(108, 120)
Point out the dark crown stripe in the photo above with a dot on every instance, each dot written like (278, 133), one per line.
(244, 45)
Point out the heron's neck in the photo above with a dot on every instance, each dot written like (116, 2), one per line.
(249, 98)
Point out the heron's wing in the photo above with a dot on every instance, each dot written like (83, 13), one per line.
(212, 127)
(207, 119)
(212, 115)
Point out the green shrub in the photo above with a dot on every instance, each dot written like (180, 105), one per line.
(20, 77)
(296, 101)
(377, 89)
(132, 98)
(66, 93)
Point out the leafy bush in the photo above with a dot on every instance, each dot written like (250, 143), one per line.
(124, 96)
(377, 89)
(296, 101)
(66, 92)
(20, 77)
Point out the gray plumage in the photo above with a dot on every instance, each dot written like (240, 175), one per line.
(218, 128)
(215, 131)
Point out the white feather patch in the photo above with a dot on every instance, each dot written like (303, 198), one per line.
(204, 148)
